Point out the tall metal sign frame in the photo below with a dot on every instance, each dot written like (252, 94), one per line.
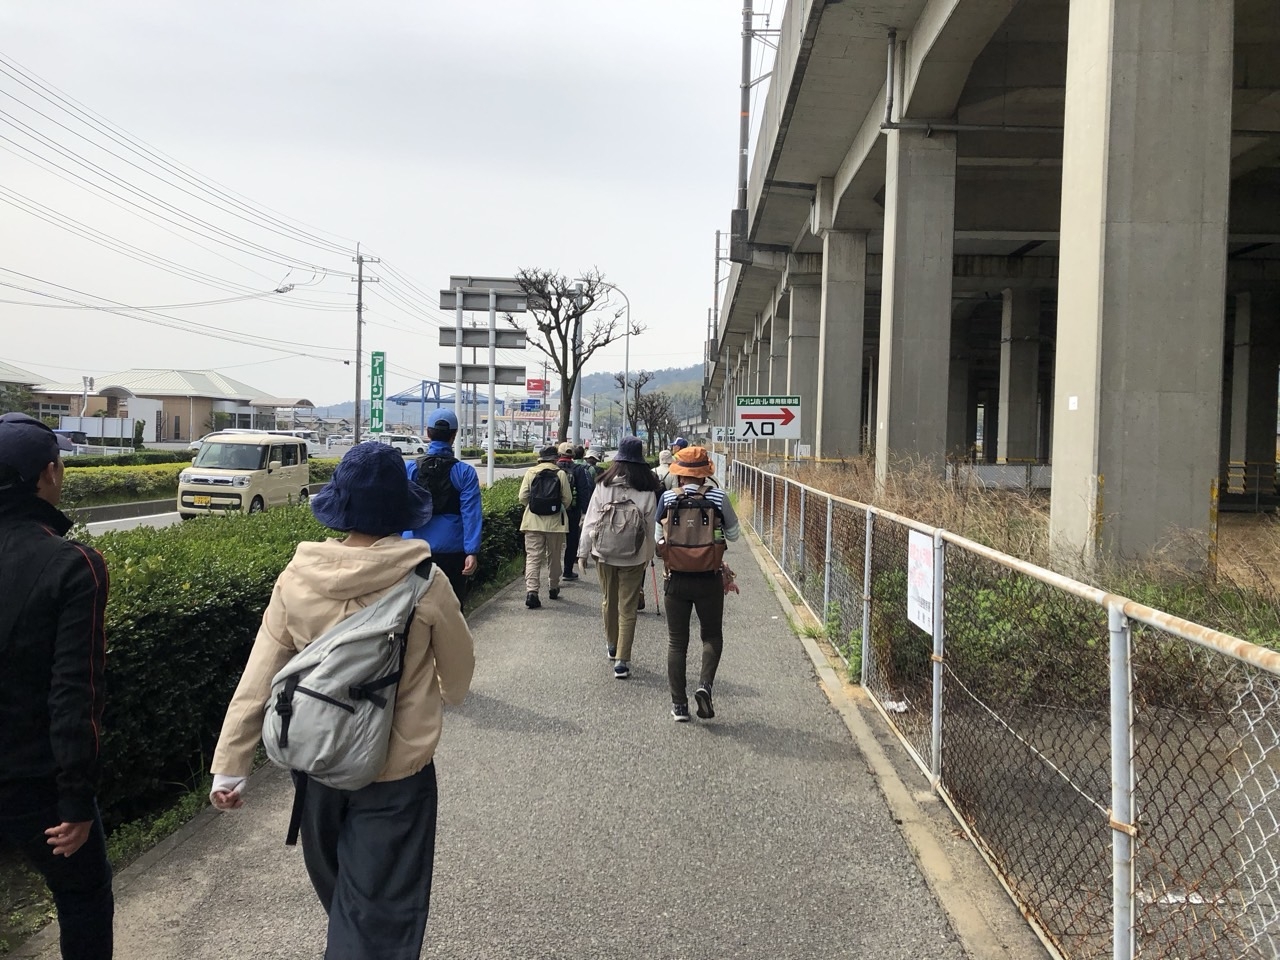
(479, 293)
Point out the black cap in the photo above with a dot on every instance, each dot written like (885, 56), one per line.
(27, 446)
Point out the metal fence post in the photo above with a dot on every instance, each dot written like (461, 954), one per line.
(803, 533)
(826, 572)
(786, 511)
(866, 597)
(939, 558)
(1123, 828)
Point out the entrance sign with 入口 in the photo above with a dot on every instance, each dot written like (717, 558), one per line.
(767, 418)
(920, 580)
(377, 391)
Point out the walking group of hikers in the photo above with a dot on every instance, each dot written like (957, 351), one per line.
(620, 520)
(362, 644)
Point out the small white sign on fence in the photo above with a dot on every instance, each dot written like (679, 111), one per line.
(920, 580)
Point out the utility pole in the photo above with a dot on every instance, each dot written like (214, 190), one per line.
(576, 415)
(544, 400)
(360, 281)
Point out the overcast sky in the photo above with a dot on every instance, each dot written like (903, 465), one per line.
(447, 137)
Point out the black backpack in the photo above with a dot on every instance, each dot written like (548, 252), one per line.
(544, 493)
(433, 475)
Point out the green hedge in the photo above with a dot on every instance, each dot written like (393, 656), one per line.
(95, 486)
(478, 453)
(136, 459)
(98, 486)
(185, 605)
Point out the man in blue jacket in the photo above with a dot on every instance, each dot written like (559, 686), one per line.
(53, 599)
(453, 532)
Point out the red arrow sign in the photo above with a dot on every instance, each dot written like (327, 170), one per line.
(783, 418)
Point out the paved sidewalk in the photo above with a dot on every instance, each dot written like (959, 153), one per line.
(577, 820)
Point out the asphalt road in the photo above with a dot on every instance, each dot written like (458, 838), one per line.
(578, 821)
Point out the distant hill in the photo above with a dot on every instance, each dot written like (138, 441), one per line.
(667, 379)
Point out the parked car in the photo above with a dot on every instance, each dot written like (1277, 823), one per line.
(196, 444)
(234, 473)
(406, 443)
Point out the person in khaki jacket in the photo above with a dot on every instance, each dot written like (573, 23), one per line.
(369, 852)
(545, 525)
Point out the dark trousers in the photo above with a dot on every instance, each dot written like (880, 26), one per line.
(451, 565)
(574, 538)
(370, 853)
(686, 593)
(80, 883)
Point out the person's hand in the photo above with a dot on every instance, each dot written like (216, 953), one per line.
(470, 564)
(67, 838)
(585, 562)
(227, 792)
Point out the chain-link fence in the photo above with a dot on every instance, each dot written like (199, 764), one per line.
(1118, 767)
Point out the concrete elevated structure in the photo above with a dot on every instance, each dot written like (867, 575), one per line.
(1022, 231)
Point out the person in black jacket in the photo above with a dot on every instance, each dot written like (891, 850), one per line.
(583, 485)
(52, 657)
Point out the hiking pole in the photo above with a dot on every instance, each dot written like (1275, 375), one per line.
(653, 570)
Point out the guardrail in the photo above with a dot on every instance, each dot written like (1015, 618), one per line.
(1118, 767)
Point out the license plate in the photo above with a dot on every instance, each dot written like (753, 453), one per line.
(201, 501)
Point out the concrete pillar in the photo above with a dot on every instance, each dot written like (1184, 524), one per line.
(1253, 397)
(802, 354)
(1019, 377)
(778, 372)
(873, 398)
(838, 416)
(958, 403)
(1146, 164)
(915, 305)
(990, 422)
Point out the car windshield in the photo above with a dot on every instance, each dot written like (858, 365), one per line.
(231, 456)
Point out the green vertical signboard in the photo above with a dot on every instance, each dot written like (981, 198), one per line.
(377, 391)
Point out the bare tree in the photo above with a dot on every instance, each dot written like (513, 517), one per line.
(633, 387)
(556, 309)
(655, 410)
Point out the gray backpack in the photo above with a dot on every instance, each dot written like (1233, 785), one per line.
(331, 706)
(620, 531)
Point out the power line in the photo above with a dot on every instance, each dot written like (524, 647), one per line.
(99, 123)
(159, 319)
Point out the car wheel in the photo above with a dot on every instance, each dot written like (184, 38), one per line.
(257, 506)
(421, 451)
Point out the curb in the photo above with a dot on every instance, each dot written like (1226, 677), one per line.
(987, 923)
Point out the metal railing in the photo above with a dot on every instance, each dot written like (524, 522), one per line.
(1118, 767)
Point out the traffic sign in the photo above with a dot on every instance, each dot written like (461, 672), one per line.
(725, 435)
(479, 373)
(479, 337)
(377, 391)
(479, 300)
(767, 418)
(535, 385)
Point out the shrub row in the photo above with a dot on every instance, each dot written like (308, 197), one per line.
(136, 459)
(185, 605)
(98, 486)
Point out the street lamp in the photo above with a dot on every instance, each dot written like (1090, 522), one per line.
(626, 373)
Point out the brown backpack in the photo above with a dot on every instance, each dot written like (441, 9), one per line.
(692, 534)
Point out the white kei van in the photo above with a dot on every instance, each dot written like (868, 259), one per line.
(244, 473)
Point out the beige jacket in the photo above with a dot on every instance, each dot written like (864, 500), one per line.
(323, 584)
(552, 522)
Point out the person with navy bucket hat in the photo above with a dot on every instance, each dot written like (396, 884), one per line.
(53, 648)
(457, 515)
(369, 852)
